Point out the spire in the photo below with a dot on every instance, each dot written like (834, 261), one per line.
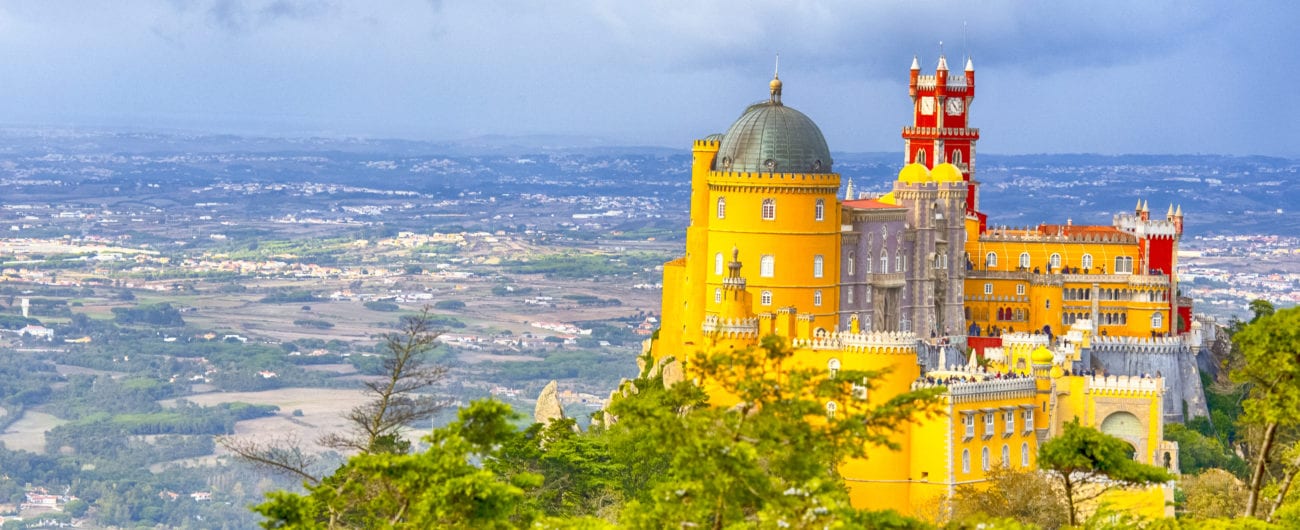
(1171, 210)
(1145, 207)
(848, 191)
(943, 63)
(970, 67)
(915, 65)
(1179, 213)
(775, 85)
(1138, 208)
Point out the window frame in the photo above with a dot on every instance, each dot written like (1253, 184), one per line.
(819, 266)
(1024, 260)
(767, 266)
(722, 207)
(817, 298)
(819, 210)
(718, 267)
(991, 259)
(768, 209)
(765, 298)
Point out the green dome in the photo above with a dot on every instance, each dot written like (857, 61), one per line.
(773, 138)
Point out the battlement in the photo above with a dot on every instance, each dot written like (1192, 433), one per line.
(972, 133)
(1023, 339)
(1125, 385)
(1151, 228)
(981, 389)
(956, 83)
(731, 328)
(777, 179)
(1103, 343)
(707, 145)
(894, 342)
(1034, 234)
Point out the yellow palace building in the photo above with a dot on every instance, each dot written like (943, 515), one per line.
(1021, 325)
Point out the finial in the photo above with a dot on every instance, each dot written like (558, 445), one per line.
(735, 253)
(775, 85)
(970, 66)
(915, 65)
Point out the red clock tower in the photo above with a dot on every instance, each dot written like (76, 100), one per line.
(939, 132)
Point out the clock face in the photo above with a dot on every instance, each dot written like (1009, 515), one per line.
(927, 106)
(953, 106)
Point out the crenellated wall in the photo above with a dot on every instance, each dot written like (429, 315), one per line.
(1169, 358)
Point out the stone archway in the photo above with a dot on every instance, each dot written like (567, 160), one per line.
(1128, 427)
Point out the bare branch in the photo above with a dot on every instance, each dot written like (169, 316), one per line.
(284, 455)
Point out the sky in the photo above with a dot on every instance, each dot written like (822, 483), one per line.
(1159, 77)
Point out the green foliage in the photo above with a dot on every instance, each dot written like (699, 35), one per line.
(148, 314)
(381, 306)
(313, 323)
(1087, 463)
(290, 297)
(1026, 496)
(438, 488)
(1198, 452)
(449, 305)
(1271, 368)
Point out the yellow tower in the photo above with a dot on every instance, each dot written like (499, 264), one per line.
(764, 194)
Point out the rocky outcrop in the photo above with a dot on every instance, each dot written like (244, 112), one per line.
(548, 405)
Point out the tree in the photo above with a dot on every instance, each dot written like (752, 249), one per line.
(1261, 308)
(1270, 350)
(1087, 464)
(1025, 496)
(1212, 493)
(397, 400)
(438, 488)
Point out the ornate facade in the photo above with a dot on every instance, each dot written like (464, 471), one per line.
(916, 282)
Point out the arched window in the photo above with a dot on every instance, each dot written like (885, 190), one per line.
(819, 210)
(769, 209)
(849, 264)
(991, 259)
(717, 264)
(765, 298)
(921, 157)
(1086, 261)
(1157, 320)
(767, 266)
(1024, 260)
(900, 263)
(1024, 454)
(1123, 265)
(1054, 260)
(956, 158)
(1006, 455)
(965, 460)
(817, 298)
(722, 207)
(830, 409)
(818, 266)
(984, 459)
(833, 366)
(884, 261)
(717, 296)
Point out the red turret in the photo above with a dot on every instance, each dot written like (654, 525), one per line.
(916, 73)
(970, 79)
(940, 130)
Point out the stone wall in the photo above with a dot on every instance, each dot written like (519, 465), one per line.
(1176, 363)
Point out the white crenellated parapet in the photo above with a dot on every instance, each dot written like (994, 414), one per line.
(1150, 228)
(731, 327)
(996, 355)
(1103, 343)
(1012, 387)
(1021, 338)
(1125, 385)
(864, 342)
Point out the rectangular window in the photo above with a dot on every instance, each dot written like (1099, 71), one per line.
(988, 288)
(1010, 418)
(988, 424)
(1029, 420)
(1020, 290)
(849, 264)
(969, 419)
(817, 298)
(848, 294)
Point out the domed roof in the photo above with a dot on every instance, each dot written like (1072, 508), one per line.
(773, 138)
(1041, 355)
(914, 173)
(946, 173)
